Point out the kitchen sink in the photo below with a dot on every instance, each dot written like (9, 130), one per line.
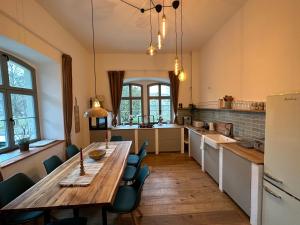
(215, 139)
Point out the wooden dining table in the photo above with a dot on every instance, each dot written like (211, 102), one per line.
(48, 194)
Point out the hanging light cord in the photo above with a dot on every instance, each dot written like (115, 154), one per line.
(181, 34)
(176, 31)
(158, 22)
(93, 34)
(150, 24)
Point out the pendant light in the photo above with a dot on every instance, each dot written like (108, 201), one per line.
(182, 74)
(176, 61)
(151, 50)
(159, 38)
(96, 110)
(164, 22)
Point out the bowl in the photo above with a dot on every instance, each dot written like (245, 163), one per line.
(97, 154)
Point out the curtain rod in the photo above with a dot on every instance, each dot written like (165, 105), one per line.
(30, 31)
(157, 70)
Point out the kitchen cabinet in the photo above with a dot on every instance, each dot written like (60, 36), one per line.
(195, 146)
(168, 140)
(211, 161)
(237, 179)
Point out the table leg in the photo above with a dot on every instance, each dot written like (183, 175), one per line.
(104, 216)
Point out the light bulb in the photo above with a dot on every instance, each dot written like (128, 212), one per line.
(151, 50)
(182, 75)
(159, 42)
(176, 66)
(164, 26)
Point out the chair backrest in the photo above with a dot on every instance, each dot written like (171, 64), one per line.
(116, 138)
(72, 150)
(139, 183)
(143, 146)
(13, 187)
(52, 163)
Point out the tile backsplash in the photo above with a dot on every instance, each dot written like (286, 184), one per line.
(245, 124)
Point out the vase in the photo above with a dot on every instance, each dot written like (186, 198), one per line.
(228, 105)
(24, 147)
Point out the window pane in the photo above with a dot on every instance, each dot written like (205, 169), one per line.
(23, 110)
(153, 90)
(136, 110)
(154, 108)
(165, 90)
(136, 91)
(166, 110)
(3, 127)
(124, 111)
(125, 91)
(19, 76)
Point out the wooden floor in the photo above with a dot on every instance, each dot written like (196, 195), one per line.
(178, 192)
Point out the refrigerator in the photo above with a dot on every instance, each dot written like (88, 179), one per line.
(281, 185)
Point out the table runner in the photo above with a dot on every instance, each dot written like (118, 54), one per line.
(91, 168)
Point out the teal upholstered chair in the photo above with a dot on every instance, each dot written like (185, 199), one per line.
(11, 189)
(131, 172)
(128, 198)
(116, 138)
(52, 163)
(72, 150)
(133, 159)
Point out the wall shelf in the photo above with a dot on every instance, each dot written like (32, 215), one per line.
(234, 110)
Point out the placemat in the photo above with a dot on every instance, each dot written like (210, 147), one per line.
(91, 168)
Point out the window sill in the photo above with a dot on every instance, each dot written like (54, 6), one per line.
(7, 159)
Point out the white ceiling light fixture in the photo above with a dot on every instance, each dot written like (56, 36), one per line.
(182, 74)
(151, 50)
(164, 22)
(176, 61)
(96, 110)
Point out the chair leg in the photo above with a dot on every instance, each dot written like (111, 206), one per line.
(133, 219)
(139, 212)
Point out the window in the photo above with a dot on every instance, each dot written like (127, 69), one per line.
(159, 102)
(18, 102)
(131, 103)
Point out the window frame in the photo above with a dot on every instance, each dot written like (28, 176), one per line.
(159, 98)
(7, 90)
(130, 98)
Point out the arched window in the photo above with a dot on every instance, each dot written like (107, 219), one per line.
(18, 102)
(131, 103)
(160, 102)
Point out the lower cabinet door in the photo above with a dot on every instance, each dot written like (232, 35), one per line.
(279, 208)
(195, 143)
(211, 161)
(237, 179)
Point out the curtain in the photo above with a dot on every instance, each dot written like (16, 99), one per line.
(67, 96)
(116, 84)
(174, 86)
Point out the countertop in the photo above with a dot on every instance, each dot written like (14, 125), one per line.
(156, 126)
(251, 155)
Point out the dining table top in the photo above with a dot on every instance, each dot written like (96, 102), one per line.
(49, 194)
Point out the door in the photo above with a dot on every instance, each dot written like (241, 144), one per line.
(211, 161)
(282, 151)
(279, 208)
(195, 143)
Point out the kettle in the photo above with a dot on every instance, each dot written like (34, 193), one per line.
(211, 126)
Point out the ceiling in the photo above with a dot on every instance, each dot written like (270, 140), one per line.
(121, 28)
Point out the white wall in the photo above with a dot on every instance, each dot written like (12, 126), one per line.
(255, 54)
(141, 66)
(27, 24)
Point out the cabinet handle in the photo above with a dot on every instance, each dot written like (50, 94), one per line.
(272, 193)
(273, 178)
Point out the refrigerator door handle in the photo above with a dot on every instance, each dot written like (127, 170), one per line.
(272, 193)
(273, 178)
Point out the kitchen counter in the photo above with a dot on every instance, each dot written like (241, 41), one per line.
(156, 126)
(251, 155)
(200, 131)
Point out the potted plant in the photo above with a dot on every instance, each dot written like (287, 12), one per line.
(24, 139)
(228, 101)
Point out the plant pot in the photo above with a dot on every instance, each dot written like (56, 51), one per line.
(228, 105)
(24, 147)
